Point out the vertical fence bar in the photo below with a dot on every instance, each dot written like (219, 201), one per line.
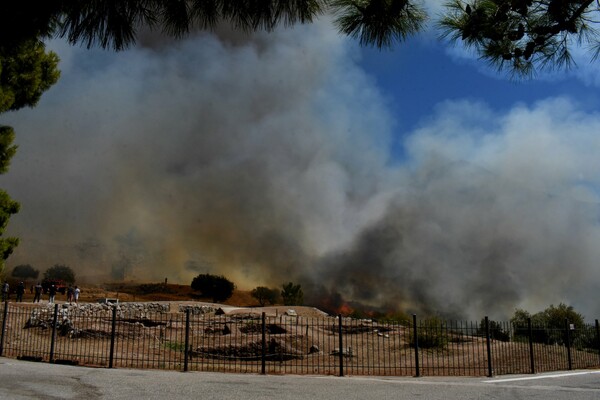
(187, 340)
(489, 346)
(53, 341)
(597, 339)
(531, 356)
(568, 339)
(113, 330)
(5, 317)
(341, 344)
(416, 343)
(263, 350)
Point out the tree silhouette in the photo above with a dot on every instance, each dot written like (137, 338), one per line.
(216, 287)
(292, 294)
(26, 71)
(60, 271)
(513, 35)
(25, 271)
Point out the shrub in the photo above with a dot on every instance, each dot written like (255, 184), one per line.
(292, 295)
(62, 272)
(216, 287)
(432, 333)
(548, 326)
(396, 316)
(265, 295)
(497, 331)
(25, 271)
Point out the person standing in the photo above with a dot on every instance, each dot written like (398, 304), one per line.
(76, 293)
(38, 293)
(5, 289)
(51, 294)
(70, 292)
(20, 291)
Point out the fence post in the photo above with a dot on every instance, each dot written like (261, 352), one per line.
(53, 341)
(187, 340)
(341, 343)
(531, 357)
(5, 313)
(597, 338)
(488, 345)
(416, 340)
(568, 337)
(263, 350)
(113, 330)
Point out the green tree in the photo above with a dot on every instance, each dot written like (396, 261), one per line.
(292, 294)
(216, 287)
(555, 316)
(26, 71)
(520, 35)
(62, 272)
(516, 35)
(496, 329)
(432, 333)
(25, 271)
(264, 295)
(548, 326)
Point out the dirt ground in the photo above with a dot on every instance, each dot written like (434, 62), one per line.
(139, 292)
(174, 294)
(303, 341)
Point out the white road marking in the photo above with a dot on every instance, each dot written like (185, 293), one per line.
(528, 378)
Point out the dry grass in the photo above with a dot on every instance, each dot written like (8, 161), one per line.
(134, 292)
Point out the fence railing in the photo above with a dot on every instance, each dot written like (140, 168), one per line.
(290, 344)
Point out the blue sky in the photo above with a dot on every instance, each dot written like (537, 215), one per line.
(384, 176)
(423, 72)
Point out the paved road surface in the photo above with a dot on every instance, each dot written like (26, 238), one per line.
(20, 380)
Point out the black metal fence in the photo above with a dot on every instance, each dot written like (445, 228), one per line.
(288, 344)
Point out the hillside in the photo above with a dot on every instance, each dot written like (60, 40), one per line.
(139, 292)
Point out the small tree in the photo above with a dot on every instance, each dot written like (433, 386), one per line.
(25, 271)
(26, 71)
(264, 295)
(60, 271)
(548, 326)
(496, 329)
(292, 294)
(216, 287)
(432, 333)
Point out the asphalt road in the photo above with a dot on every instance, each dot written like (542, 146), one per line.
(20, 380)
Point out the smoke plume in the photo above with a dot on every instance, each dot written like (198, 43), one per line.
(267, 159)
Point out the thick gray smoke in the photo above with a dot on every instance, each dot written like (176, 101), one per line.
(250, 157)
(495, 212)
(266, 159)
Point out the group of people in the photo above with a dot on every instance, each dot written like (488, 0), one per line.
(6, 291)
(71, 292)
(20, 291)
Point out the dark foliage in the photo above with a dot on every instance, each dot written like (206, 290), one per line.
(25, 271)
(292, 294)
(60, 272)
(264, 295)
(216, 287)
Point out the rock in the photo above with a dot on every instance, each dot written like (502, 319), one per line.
(226, 330)
(346, 352)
